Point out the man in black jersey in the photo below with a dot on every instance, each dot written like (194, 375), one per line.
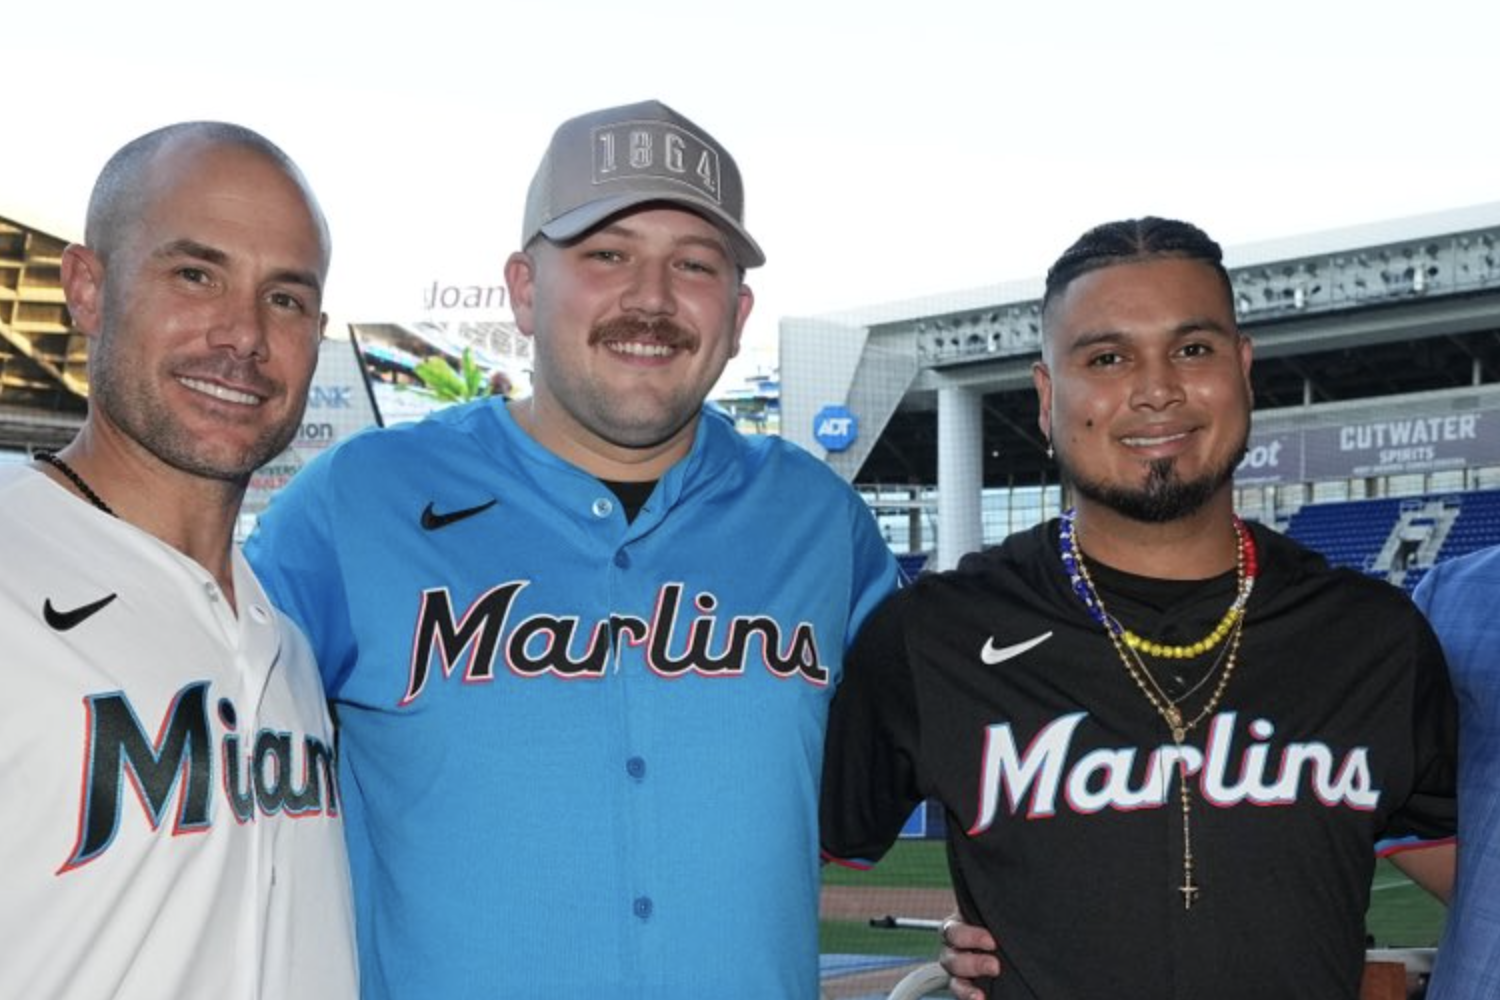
(1170, 744)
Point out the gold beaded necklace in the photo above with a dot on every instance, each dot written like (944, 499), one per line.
(1170, 710)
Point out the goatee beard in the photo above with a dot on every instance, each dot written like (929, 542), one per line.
(1163, 497)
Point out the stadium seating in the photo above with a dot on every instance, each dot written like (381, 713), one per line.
(1350, 533)
(1399, 538)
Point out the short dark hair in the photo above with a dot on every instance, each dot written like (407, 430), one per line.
(116, 191)
(1131, 240)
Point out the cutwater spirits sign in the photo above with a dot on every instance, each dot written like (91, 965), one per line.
(835, 427)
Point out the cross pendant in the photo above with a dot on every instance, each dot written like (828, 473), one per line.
(1189, 891)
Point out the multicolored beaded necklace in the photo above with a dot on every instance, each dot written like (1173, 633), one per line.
(1230, 626)
(1245, 566)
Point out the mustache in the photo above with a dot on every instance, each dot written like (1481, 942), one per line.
(661, 330)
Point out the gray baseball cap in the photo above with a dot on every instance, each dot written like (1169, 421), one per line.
(602, 163)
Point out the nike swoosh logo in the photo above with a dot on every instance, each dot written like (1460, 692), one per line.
(432, 520)
(62, 621)
(990, 655)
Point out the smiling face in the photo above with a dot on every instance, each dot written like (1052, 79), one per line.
(633, 323)
(1144, 388)
(205, 311)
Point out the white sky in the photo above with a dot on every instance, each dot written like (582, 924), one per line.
(890, 149)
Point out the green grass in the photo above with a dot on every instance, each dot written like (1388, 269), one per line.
(1401, 915)
(847, 937)
(910, 864)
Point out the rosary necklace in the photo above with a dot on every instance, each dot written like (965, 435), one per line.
(54, 460)
(1169, 709)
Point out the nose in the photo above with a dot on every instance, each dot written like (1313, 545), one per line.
(650, 290)
(240, 327)
(1158, 385)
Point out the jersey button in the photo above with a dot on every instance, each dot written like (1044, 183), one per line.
(636, 768)
(622, 559)
(642, 907)
(603, 507)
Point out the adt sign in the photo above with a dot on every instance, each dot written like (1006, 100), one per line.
(835, 427)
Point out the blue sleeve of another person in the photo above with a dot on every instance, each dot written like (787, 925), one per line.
(294, 553)
(1459, 598)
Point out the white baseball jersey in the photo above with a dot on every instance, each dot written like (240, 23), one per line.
(171, 820)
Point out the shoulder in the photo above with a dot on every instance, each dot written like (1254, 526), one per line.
(17, 482)
(1294, 576)
(1021, 565)
(1476, 567)
(1460, 587)
(446, 426)
(375, 453)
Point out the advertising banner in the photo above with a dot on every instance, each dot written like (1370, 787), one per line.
(1403, 442)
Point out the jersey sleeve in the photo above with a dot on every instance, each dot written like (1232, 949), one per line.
(870, 768)
(876, 572)
(294, 553)
(1431, 812)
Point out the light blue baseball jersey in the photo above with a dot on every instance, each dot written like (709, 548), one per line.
(1459, 599)
(579, 756)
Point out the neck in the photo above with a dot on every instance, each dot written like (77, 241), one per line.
(193, 514)
(600, 458)
(1196, 547)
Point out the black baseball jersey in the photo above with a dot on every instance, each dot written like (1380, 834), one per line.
(992, 690)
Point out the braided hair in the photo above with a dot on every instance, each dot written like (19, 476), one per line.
(1130, 241)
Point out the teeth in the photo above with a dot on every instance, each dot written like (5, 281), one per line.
(640, 350)
(220, 392)
(1151, 442)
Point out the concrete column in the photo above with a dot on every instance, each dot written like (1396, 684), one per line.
(960, 469)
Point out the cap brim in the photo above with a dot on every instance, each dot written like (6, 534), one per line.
(571, 225)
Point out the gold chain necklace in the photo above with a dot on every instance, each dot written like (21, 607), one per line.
(1197, 685)
(1169, 710)
(1246, 569)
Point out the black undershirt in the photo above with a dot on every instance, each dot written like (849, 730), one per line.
(632, 496)
(1172, 612)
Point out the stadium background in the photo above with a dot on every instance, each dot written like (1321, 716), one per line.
(1376, 440)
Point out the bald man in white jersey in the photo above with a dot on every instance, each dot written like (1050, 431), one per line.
(173, 820)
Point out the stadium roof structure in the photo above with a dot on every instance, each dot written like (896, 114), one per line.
(1385, 309)
(43, 356)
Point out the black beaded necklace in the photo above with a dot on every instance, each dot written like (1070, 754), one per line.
(54, 460)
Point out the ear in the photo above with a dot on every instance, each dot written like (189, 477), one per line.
(1042, 379)
(744, 302)
(83, 286)
(520, 281)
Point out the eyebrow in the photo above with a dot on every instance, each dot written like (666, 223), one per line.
(213, 255)
(1188, 327)
(718, 245)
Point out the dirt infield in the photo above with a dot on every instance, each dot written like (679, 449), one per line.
(847, 902)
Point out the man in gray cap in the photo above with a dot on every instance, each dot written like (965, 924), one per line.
(582, 644)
